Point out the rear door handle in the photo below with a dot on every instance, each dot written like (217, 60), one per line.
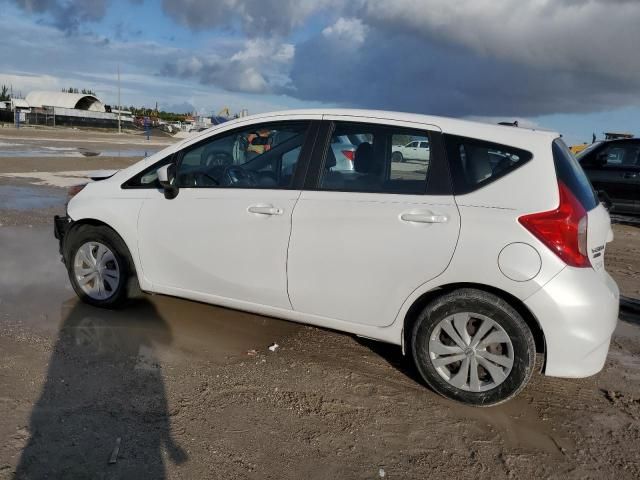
(265, 210)
(629, 175)
(424, 218)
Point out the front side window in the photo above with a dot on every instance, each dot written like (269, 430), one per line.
(376, 158)
(260, 156)
(148, 178)
(621, 156)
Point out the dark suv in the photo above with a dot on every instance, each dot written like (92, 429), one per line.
(614, 167)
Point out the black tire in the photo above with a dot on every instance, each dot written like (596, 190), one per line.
(397, 157)
(79, 236)
(495, 309)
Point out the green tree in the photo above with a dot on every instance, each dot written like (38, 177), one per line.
(4, 93)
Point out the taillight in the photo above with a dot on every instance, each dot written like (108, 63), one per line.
(74, 190)
(349, 154)
(563, 230)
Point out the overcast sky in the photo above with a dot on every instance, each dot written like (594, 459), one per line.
(567, 65)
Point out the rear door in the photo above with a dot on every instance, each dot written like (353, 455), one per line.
(362, 240)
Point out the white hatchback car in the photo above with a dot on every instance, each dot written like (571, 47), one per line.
(472, 262)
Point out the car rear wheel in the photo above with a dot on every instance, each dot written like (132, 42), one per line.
(98, 265)
(473, 347)
(397, 157)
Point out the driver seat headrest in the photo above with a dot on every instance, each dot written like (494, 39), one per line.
(330, 159)
(363, 161)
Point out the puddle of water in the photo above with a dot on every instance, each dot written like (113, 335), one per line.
(29, 198)
(35, 294)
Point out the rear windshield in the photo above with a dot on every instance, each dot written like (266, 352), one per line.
(571, 174)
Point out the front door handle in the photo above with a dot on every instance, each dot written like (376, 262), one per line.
(424, 218)
(265, 210)
(629, 175)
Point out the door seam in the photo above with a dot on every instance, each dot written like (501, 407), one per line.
(286, 268)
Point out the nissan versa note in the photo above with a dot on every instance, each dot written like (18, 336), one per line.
(473, 258)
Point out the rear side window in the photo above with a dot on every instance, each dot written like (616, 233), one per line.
(476, 163)
(376, 158)
(571, 174)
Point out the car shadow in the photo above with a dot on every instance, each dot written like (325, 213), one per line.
(102, 412)
(392, 354)
(630, 316)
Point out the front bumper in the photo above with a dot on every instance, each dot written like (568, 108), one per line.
(61, 226)
(578, 312)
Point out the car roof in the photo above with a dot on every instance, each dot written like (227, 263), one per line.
(620, 140)
(445, 123)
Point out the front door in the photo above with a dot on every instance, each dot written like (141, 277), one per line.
(616, 170)
(364, 239)
(226, 233)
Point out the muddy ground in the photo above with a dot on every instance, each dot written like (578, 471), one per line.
(192, 390)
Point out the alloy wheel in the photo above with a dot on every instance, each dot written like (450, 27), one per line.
(471, 352)
(96, 270)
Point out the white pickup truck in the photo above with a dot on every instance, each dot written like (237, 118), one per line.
(415, 150)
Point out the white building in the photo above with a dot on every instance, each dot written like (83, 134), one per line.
(77, 101)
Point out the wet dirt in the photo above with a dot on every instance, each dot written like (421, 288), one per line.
(25, 151)
(13, 197)
(192, 390)
(51, 150)
(34, 280)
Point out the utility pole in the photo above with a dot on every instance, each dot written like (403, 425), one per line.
(119, 129)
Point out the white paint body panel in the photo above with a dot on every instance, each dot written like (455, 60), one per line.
(519, 262)
(206, 241)
(578, 312)
(352, 258)
(348, 262)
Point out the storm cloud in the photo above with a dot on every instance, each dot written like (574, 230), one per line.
(259, 66)
(469, 57)
(67, 15)
(464, 58)
(259, 18)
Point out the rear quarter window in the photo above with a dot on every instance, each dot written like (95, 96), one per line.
(571, 174)
(476, 163)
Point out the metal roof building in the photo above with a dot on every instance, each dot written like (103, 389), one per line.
(79, 101)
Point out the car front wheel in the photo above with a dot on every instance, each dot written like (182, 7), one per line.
(98, 266)
(473, 347)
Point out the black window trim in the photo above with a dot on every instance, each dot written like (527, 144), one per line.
(297, 179)
(154, 166)
(306, 147)
(460, 186)
(438, 178)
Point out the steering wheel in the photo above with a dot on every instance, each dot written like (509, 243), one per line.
(235, 175)
(199, 179)
(213, 158)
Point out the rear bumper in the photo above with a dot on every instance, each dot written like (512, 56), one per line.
(578, 312)
(61, 226)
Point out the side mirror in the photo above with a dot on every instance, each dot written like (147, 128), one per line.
(604, 199)
(167, 179)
